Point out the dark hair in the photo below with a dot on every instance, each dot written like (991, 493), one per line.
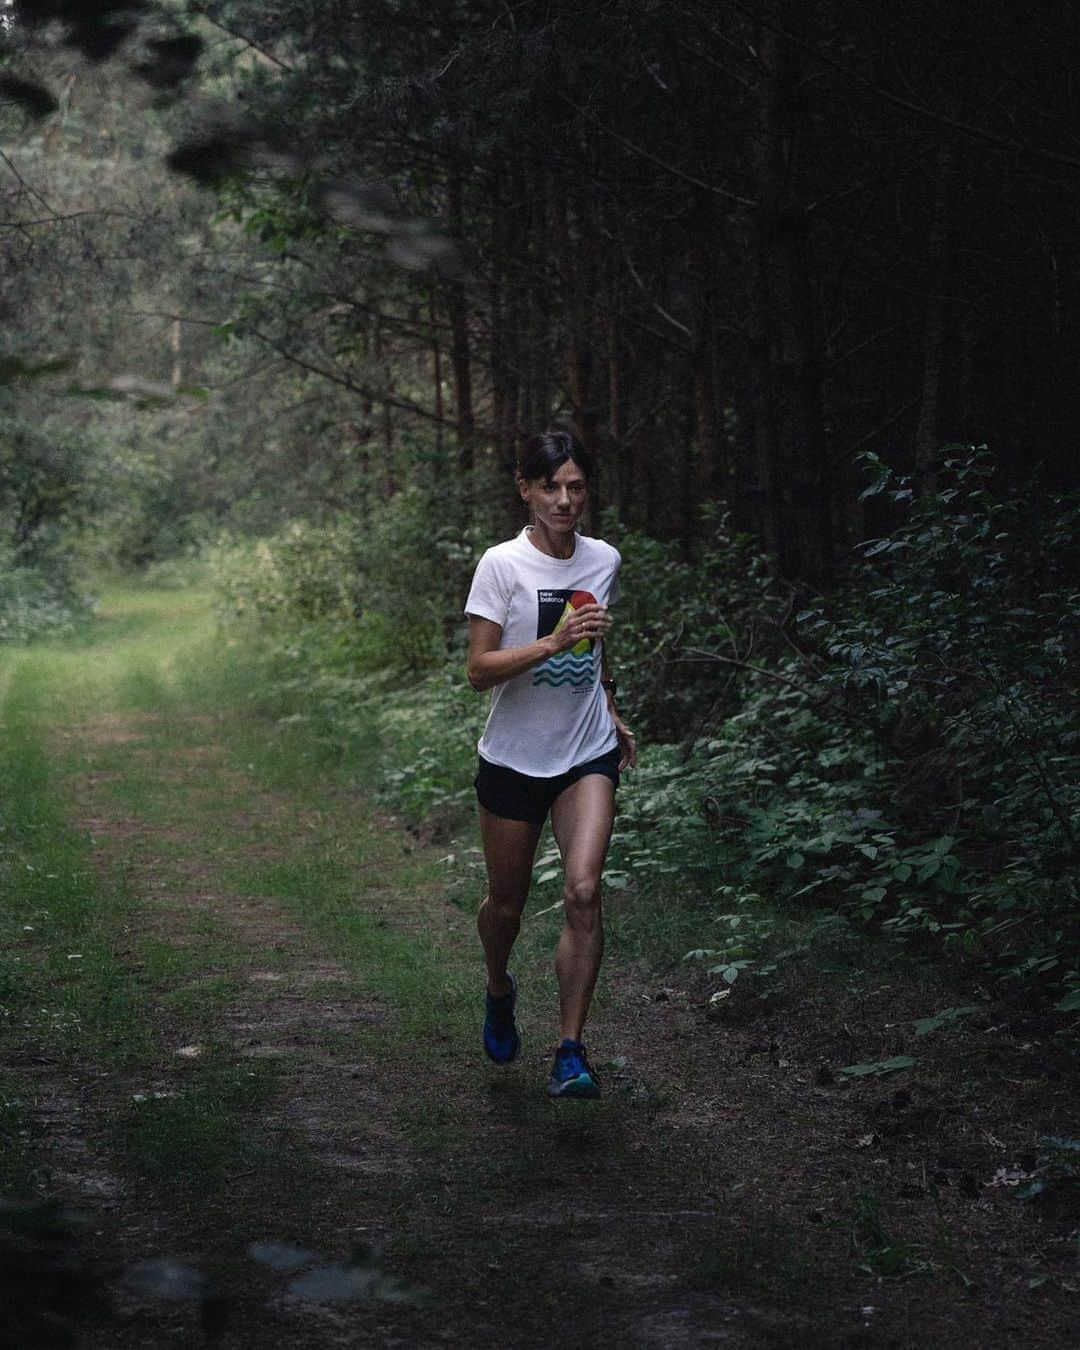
(544, 455)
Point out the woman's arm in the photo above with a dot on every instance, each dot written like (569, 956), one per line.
(488, 666)
(627, 744)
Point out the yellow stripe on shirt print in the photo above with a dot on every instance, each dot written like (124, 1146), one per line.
(579, 648)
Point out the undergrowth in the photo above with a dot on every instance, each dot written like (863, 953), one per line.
(898, 758)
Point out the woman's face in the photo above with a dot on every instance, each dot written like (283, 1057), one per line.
(556, 502)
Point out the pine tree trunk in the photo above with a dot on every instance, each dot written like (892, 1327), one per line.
(437, 382)
(616, 414)
(706, 429)
(460, 348)
(929, 432)
(792, 464)
(177, 365)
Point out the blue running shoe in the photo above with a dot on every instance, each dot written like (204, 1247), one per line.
(571, 1075)
(501, 1039)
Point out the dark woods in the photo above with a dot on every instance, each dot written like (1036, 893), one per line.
(736, 244)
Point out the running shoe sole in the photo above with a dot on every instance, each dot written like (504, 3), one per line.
(582, 1087)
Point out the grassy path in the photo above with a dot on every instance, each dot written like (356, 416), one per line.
(239, 1037)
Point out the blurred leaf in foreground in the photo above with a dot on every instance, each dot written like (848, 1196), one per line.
(418, 246)
(97, 27)
(878, 1068)
(34, 99)
(281, 1255)
(360, 205)
(170, 61)
(14, 368)
(165, 1278)
(211, 160)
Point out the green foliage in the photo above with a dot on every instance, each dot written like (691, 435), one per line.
(417, 560)
(877, 1252)
(948, 1017)
(1057, 1170)
(684, 850)
(906, 758)
(35, 603)
(1071, 1001)
(678, 621)
(909, 758)
(305, 574)
(382, 590)
(42, 493)
(954, 646)
(429, 733)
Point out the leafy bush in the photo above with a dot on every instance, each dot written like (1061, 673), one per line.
(678, 625)
(179, 572)
(304, 574)
(954, 645)
(37, 603)
(429, 733)
(907, 755)
(381, 592)
(41, 494)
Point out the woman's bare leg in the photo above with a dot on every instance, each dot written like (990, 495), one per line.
(581, 818)
(509, 850)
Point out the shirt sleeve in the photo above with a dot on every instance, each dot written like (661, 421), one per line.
(613, 593)
(489, 595)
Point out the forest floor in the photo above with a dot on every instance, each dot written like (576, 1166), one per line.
(241, 1051)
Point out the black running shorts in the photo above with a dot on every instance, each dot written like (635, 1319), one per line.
(519, 796)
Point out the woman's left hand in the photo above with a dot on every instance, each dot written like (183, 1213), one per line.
(627, 744)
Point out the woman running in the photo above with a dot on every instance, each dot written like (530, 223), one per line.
(553, 741)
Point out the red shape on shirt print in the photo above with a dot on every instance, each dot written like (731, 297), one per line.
(579, 598)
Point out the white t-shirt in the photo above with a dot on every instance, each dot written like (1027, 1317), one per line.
(555, 715)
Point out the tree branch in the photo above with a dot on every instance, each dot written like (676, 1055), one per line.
(203, 12)
(365, 391)
(26, 186)
(653, 159)
(104, 212)
(670, 318)
(698, 656)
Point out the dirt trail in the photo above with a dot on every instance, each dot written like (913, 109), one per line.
(713, 1198)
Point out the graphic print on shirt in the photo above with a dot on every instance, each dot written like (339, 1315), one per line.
(575, 667)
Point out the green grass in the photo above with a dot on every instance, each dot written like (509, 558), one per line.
(769, 1259)
(75, 979)
(208, 1126)
(18, 1171)
(161, 1137)
(59, 924)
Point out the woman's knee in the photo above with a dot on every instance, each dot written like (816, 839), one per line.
(506, 904)
(582, 900)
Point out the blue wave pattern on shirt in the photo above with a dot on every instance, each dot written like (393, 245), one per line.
(577, 671)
